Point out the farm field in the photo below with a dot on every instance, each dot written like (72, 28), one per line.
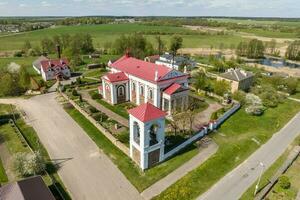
(109, 32)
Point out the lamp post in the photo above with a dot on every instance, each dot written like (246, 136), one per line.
(259, 178)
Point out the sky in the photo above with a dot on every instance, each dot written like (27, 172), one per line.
(243, 8)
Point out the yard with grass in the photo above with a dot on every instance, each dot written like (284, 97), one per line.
(141, 180)
(235, 144)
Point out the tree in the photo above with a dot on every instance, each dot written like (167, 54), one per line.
(65, 40)
(175, 44)
(240, 96)
(160, 44)
(9, 84)
(27, 164)
(56, 40)
(26, 46)
(241, 49)
(293, 51)
(255, 49)
(47, 45)
(291, 85)
(24, 79)
(254, 105)
(221, 87)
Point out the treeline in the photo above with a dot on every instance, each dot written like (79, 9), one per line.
(85, 20)
(252, 49)
(138, 46)
(293, 51)
(183, 32)
(72, 46)
(180, 21)
(256, 49)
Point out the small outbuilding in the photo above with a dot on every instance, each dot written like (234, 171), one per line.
(239, 79)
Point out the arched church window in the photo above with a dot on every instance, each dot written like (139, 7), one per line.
(121, 90)
(133, 86)
(142, 90)
(153, 134)
(136, 132)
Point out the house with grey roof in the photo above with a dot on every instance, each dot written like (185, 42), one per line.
(33, 188)
(37, 64)
(239, 79)
(176, 62)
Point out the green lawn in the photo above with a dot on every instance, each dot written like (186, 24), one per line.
(141, 180)
(3, 177)
(235, 145)
(109, 32)
(120, 109)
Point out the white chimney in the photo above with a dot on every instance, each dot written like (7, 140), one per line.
(156, 75)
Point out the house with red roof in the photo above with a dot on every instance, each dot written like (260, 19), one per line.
(138, 81)
(55, 69)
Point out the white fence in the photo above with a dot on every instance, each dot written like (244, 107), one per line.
(205, 131)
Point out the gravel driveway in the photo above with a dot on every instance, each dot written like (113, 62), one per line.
(86, 172)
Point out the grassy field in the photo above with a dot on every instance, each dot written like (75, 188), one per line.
(141, 180)
(235, 145)
(109, 32)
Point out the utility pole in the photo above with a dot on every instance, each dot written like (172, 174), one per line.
(259, 178)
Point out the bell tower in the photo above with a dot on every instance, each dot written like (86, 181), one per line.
(147, 135)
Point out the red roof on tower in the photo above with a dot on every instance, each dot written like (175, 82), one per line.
(141, 69)
(147, 112)
(116, 77)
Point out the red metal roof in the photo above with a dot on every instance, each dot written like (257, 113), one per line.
(141, 69)
(173, 88)
(54, 63)
(147, 112)
(116, 77)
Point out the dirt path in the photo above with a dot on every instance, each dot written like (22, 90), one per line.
(203, 117)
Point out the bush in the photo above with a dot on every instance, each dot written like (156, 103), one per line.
(92, 109)
(239, 96)
(95, 96)
(28, 164)
(74, 92)
(18, 54)
(284, 182)
(254, 105)
(78, 81)
(100, 117)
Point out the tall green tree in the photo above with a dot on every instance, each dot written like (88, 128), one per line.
(47, 45)
(160, 45)
(255, 49)
(293, 51)
(26, 46)
(175, 44)
(24, 77)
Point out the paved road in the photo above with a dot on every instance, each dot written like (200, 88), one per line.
(89, 174)
(161, 185)
(234, 184)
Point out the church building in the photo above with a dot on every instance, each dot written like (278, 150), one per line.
(138, 81)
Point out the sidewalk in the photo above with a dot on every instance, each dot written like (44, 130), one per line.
(161, 185)
(86, 96)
